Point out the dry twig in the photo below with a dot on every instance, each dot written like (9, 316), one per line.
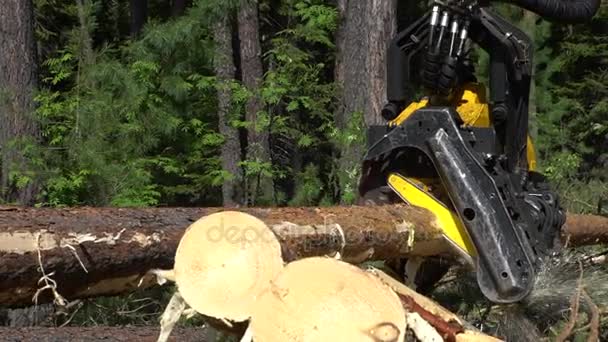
(574, 306)
(594, 324)
(49, 282)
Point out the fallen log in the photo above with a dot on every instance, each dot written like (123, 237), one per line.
(63, 254)
(87, 252)
(584, 230)
(106, 334)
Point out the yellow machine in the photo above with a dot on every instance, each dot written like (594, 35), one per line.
(465, 155)
(473, 110)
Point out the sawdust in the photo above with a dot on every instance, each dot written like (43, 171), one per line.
(548, 306)
(557, 282)
(550, 303)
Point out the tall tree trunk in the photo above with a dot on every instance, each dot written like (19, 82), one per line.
(225, 72)
(18, 79)
(139, 16)
(528, 24)
(18, 82)
(178, 7)
(258, 147)
(362, 40)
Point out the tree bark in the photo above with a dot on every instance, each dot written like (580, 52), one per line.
(258, 147)
(178, 7)
(528, 23)
(92, 252)
(107, 251)
(139, 16)
(231, 149)
(362, 40)
(18, 79)
(447, 324)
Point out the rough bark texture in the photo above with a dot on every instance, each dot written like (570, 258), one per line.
(18, 81)
(119, 246)
(139, 16)
(528, 23)
(258, 148)
(583, 230)
(106, 334)
(225, 72)
(362, 39)
(178, 7)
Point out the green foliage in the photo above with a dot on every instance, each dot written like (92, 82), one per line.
(574, 89)
(562, 166)
(108, 126)
(295, 90)
(345, 175)
(133, 123)
(309, 188)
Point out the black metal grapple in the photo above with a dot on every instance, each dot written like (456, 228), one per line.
(510, 213)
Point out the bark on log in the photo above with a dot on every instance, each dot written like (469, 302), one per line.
(106, 251)
(584, 230)
(451, 327)
(106, 334)
(91, 252)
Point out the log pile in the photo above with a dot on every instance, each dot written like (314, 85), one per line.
(244, 278)
(250, 263)
(88, 252)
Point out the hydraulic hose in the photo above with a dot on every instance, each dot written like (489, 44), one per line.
(566, 11)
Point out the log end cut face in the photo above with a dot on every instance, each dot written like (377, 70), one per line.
(224, 261)
(323, 299)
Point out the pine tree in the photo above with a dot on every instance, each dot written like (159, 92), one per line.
(19, 80)
(365, 30)
(231, 148)
(258, 165)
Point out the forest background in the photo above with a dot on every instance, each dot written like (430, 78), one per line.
(248, 103)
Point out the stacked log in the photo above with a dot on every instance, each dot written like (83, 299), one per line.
(88, 252)
(243, 278)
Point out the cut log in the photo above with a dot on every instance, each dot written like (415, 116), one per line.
(584, 230)
(323, 299)
(87, 252)
(221, 275)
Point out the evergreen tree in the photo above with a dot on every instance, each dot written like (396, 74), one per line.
(19, 80)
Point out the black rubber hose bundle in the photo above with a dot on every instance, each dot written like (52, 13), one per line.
(566, 11)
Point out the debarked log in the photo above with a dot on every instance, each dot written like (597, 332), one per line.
(88, 252)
